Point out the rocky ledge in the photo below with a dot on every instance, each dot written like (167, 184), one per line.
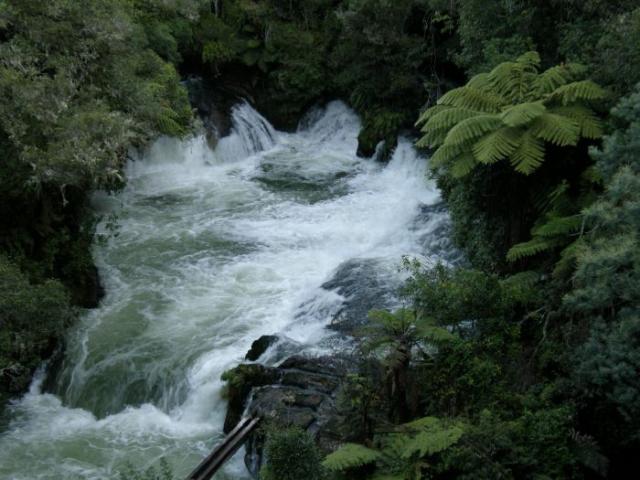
(300, 392)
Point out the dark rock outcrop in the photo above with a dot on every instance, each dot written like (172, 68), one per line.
(88, 290)
(300, 392)
(213, 108)
(260, 346)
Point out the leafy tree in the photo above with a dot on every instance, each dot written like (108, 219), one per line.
(605, 296)
(33, 319)
(511, 113)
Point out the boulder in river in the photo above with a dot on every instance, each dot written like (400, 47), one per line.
(299, 392)
(259, 346)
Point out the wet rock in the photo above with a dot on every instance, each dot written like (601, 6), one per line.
(212, 106)
(302, 393)
(260, 346)
(240, 381)
(15, 378)
(89, 290)
(358, 281)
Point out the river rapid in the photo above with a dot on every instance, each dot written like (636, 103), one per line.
(212, 249)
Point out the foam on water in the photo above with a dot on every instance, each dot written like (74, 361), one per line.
(214, 249)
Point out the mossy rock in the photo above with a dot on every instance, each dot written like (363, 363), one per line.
(240, 380)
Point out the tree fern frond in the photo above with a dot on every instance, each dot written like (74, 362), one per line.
(479, 81)
(472, 128)
(530, 59)
(472, 99)
(551, 79)
(567, 263)
(522, 113)
(430, 112)
(449, 117)
(556, 129)
(350, 455)
(559, 226)
(446, 154)
(589, 124)
(463, 164)
(514, 79)
(496, 145)
(434, 440)
(432, 138)
(532, 247)
(584, 90)
(529, 155)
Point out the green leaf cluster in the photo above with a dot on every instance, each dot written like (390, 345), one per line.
(511, 113)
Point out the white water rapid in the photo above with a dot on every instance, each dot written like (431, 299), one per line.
(214, 249)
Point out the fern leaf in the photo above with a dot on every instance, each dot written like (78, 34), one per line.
(559, 226)
(430, 112)
(472, 99)
(432, 138)
(551, 79)
(529, 155)
(421, 424)
(514, 79)
(435, 334)
(496, 145)
(448, 118)
(432, 441)
(472, 128)
(479, 81)
(589, 124)
(584, 90)
(522, 113)
(463, 164)
(556, 129)
(350, 455)
(445, 154)
(568, 259)
(530, 59)
(532, 247)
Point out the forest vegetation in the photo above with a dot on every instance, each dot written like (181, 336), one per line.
(523, 362)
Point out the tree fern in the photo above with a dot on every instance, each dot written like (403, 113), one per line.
(522, 113)
(472, 128)
(350, 455)
(430, 442)
(529, 155)
(512, 113)
(496, 145)
(400, 451)
(556, 129)
(532, 247)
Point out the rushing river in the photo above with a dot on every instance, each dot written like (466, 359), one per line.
(213, 249)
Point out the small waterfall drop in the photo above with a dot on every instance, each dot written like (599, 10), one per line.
(272, 232)
(250, 133)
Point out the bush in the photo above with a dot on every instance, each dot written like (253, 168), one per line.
(33, 319)
(291, 455)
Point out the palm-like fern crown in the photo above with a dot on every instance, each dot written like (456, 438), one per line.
(511, 112)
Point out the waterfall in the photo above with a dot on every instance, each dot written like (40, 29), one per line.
(250, 133)
(272, 232)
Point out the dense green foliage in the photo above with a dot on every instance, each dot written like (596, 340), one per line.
(31, 318)
(524, 364)
(79, 87)
(540, 357)
(291, 455)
